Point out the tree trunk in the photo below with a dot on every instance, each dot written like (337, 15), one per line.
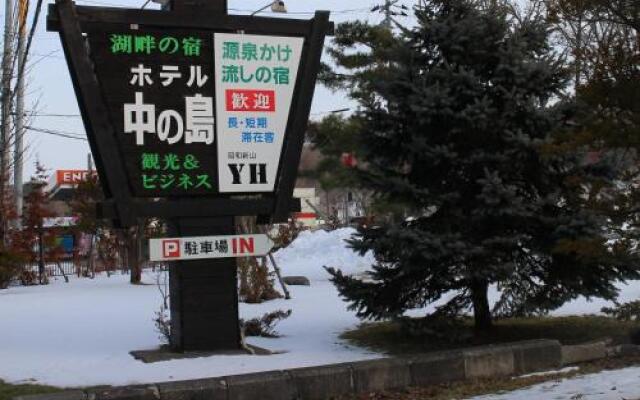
(134, 256)
(480, 299)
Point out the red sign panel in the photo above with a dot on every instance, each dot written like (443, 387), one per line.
(72, 176)
(171, 248)
(250, 100)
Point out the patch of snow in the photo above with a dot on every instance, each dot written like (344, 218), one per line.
(547, 373)
(313, 250)
(607, 385)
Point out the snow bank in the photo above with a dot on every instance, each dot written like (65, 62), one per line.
(311, 251)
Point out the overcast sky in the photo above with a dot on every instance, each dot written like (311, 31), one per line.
(50, 90)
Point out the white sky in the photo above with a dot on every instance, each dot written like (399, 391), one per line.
(50, 90)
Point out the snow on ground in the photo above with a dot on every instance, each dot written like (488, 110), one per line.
(80, 334)
(607, 385)
(565, 370)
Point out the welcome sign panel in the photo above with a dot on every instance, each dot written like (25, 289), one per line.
(255, 81)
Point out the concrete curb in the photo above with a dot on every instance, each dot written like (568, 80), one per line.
(318, 383)
(580, 353)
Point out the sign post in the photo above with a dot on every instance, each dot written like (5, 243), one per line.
(203, 292)
(195, 117)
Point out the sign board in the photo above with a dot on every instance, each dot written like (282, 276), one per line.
(206, 247)
(67, 179)
(193, 122)
(197, 113)
(158, 87)
(59, 222)
(182, 111)
(255, 78)
(72, 177)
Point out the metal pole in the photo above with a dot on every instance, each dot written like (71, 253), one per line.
(41, 265)
(262, 9)
(20, 114)
(5, 129)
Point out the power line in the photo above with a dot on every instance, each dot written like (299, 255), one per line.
(346, 11)
(67, 135)
(391, 9)
(337, 111)
(27, 114)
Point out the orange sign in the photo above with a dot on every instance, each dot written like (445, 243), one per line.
(72, 176)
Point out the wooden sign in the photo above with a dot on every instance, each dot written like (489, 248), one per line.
(194, 117)
(158, 87)
(182, 111)
(209, 247)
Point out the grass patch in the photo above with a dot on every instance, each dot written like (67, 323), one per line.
(8, 391)
(394, 338)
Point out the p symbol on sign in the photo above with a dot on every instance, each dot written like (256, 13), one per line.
(171, 248)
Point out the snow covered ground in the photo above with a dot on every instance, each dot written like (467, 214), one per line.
(623, 384)
(80, 334)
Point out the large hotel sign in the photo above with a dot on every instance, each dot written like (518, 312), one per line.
(180, 111)
(194, 117)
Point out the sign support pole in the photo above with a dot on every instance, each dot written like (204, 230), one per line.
(203, 293)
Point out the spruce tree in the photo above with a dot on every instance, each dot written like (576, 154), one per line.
(456, 122)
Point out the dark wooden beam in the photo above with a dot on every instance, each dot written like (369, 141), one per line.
(93, 17)
(206, 6)
(100, 132)
(197, 208)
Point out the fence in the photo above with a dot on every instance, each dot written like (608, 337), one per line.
(30, 272)
(64, 267)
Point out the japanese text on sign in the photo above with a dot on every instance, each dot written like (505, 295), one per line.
(193, 248)
(159, 90)
(255, 78)
(149, 44)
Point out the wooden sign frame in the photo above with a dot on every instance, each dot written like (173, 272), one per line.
(72, 21)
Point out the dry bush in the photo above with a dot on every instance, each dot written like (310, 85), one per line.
(256, 282)
(264, 326)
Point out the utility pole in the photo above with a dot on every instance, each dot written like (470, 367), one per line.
(5, 128)
(388, 10)
(387, 14)
(20, 114)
